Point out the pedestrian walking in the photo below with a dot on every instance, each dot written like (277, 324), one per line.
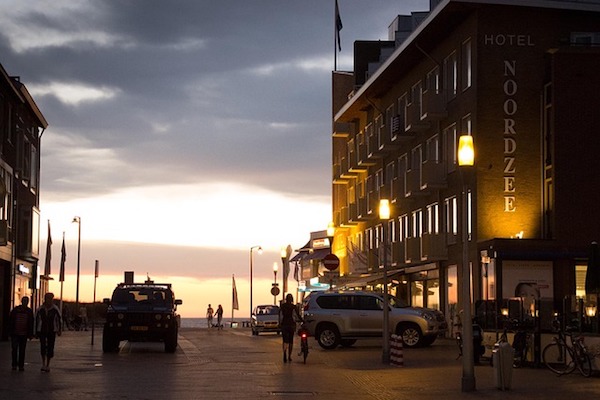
(288, 312)
(209, 316)
(21, 329)
(48, 325)
(219, 317)
(84, 318)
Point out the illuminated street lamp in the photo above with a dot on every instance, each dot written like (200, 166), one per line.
(330, 235)
(77, 220)
(466, 160)
(384, 216)
(275, 267)
(259, 252)
(284, 253)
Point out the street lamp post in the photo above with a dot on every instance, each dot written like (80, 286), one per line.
(78, 221)
(384, 216)
(259, 252)
(466, 158)
(275, 267)
(284, 253)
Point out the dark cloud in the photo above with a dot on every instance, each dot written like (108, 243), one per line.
(204, 89)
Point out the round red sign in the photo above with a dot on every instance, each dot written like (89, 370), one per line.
(331, 262)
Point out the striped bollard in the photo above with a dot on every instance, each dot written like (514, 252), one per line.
(396, 351)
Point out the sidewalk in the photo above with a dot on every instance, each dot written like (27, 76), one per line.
(232, 364)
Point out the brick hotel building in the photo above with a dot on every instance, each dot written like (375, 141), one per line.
(521, 77)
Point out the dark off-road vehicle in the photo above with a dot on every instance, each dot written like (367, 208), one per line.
(141, 312)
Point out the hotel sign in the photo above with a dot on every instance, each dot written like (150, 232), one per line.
(510, 107)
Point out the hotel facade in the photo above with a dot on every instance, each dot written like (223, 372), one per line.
(520, 77)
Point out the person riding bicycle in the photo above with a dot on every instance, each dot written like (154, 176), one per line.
(288, 325)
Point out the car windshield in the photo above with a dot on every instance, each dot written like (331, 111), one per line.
(397, 303)
(267, 310)
(134, 296)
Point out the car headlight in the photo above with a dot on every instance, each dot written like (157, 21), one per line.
(428, 316)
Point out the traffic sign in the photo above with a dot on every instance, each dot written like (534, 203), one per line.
(331, 262)
(275, 291)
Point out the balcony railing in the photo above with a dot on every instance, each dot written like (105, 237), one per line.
(433, 175)
(414, 123)
(413, 250)
(434, 106)
(434, 247)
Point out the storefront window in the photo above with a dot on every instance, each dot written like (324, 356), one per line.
(416, 292)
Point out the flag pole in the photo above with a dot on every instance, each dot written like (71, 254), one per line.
(335, 36)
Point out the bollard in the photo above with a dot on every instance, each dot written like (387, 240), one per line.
(396, 351)
(502, 360)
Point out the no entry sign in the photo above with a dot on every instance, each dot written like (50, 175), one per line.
(331, 261)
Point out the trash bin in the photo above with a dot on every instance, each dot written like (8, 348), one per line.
(502, 359)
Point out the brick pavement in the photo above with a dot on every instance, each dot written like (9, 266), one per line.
(233, 364)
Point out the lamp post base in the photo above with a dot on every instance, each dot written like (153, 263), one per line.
(468, 383)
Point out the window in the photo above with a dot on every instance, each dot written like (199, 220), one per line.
(469, 216)
(450, 144)
(368, 303)
(417, 98)
(450, 75)
(432, 83)
(416, 158)
(465, 125)
(391, 121)
(417, 223)
(433, 218)
(466, 76)
(369, 238)
(432, 149)
(402, 109)
(451, 211)
(404, 227)
(390, 173)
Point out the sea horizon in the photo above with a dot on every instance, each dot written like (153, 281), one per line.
(201, 322)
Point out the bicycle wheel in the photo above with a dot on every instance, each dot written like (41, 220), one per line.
(305, 353)
(584, 362)
(557, 358)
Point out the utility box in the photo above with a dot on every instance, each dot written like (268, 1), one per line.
(502, 359)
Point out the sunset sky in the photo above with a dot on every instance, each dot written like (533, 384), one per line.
(184, 133)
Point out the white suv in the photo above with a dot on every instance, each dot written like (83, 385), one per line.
(341, 317)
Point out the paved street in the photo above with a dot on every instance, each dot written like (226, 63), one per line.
(233, 364)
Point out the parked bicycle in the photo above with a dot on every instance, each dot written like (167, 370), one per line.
(566, 353)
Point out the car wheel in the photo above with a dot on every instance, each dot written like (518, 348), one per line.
(347, 342)
(428, 340)
(411, 335)
(171, 341)
(328, 337)
(109, 343)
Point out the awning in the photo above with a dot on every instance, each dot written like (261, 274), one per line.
(370, 279)
(318, 254)
(299, 256)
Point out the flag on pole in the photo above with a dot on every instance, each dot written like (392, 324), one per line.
(48, 265)
(234, 303)
(63, 259)
(286, 267)
(338, 25)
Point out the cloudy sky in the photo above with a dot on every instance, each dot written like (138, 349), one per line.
(185, 132)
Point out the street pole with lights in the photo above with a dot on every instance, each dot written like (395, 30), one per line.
(284, 253)
(275, 267)
(384, 216)
(466, 161)
(77, 220)
(251, 260)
